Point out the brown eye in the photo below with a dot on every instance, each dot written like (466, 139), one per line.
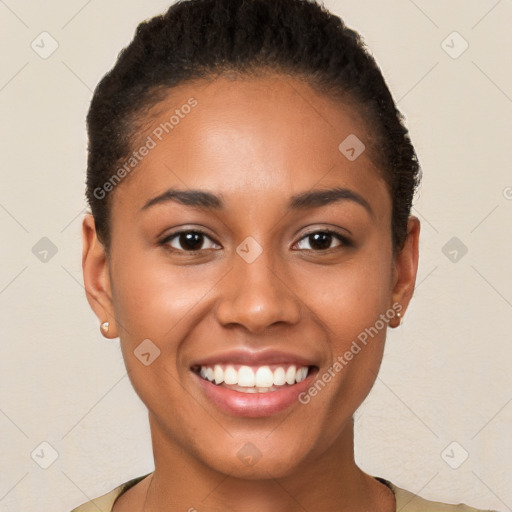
(322, 240)
(189, 241)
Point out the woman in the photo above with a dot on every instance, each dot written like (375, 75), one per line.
(250, 240)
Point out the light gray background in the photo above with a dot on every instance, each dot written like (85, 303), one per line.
(446, 371)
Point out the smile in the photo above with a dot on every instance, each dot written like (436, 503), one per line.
(253, 379)
(253, 384)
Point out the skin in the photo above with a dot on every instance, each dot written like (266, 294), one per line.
(256, 142)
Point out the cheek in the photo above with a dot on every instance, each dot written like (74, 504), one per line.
(348, 297)
(152, 298)
(353, 302)
(152, 304)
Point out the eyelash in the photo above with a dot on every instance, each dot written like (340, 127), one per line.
(344, 241)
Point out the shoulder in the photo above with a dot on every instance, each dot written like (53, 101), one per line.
(407, 501)
(105, 502)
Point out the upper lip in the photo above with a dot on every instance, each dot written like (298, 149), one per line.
(254, 358)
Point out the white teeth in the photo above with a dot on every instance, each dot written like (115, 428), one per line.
(209, 373)
(301, 374)
(260, 381)
(290, 375)
(230, 375)
(246, 377)
(279, 376)
(218, 374)
(264, 377)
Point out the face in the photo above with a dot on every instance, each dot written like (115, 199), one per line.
(243, 238)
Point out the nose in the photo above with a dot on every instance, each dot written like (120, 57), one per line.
(256, 296)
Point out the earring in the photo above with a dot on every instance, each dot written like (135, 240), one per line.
(104, 328)
(399, 315)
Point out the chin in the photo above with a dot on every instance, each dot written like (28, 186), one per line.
(260, 467)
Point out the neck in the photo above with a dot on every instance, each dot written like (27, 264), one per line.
(330, 482)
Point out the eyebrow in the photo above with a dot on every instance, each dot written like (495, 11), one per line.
(302, 201)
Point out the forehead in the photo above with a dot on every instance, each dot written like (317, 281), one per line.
(252, 139)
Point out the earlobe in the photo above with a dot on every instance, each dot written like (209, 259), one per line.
(95, 267)
(406, 268)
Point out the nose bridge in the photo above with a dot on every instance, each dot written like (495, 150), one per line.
(255, 293)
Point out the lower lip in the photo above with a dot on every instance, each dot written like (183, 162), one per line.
(254, 405)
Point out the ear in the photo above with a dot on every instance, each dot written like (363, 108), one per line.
(95, 267)
(406, 267)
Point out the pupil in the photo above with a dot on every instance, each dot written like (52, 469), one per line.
(191, 240)
(320, 241)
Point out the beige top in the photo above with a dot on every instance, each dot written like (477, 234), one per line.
(405, 501)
